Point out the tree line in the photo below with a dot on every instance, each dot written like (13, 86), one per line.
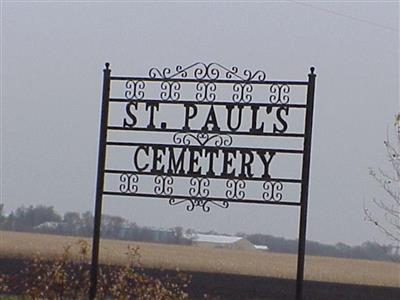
(45, 219)
(367, 250)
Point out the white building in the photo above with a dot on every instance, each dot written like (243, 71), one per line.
(261, 247)
(221, 241)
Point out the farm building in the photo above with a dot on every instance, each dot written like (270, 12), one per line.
(261, 247)
(221, 241)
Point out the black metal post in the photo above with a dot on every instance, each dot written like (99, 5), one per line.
(304, 186)
(100, 182)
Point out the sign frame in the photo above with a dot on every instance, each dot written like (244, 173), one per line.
(207, 76)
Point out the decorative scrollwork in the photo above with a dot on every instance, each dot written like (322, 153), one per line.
(170, 90)
(279, 94)
(257, 75)
(205, 91)
(179, 69)
(203, 71)
(273, 191)
(166, 72)
(242, 92)
(128, 183)
(134, 89)
(195, 202)
(211, 71)
(235, 189)
(199, 187)
(202, 139)
(163, 185)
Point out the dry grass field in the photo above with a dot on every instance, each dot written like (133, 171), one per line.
(199, 259)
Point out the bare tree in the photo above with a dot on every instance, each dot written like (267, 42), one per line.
(388, 220)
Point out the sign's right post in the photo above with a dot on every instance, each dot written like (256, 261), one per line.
(305, 184)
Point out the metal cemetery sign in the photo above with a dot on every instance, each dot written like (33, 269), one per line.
(206, 135)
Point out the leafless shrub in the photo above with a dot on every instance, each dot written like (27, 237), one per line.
(389, 206)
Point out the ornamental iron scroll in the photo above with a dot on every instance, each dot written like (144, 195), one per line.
(206, 91)
(273, 191)
(163, 185)
(235, 189)
(199, 187)
(208, 75)
(242, 92)
(212, 71)
(128, 183)
(279, 94)
(134, 89)
(199, 192)
(198, 202)
(202, 139)
(170, 90)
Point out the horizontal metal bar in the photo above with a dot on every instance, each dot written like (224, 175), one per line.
(253, 201)
(295, 135)
(215, 103)
(292, 151)
(226, 81)
(286, 180)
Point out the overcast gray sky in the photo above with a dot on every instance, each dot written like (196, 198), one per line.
(53, 53)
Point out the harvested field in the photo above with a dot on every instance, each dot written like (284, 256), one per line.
(223, 273)
(199, 259)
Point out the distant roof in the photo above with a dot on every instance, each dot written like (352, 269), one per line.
(161, 229)
(211, 238)
(47, 225)
(261, 247)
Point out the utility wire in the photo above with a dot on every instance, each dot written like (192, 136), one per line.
(346, 16)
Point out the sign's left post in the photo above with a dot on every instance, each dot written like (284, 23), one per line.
(100, 180)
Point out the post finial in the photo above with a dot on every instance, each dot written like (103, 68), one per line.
(107, 65)
(312, 69)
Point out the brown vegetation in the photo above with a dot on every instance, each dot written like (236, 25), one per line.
(65, 277)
